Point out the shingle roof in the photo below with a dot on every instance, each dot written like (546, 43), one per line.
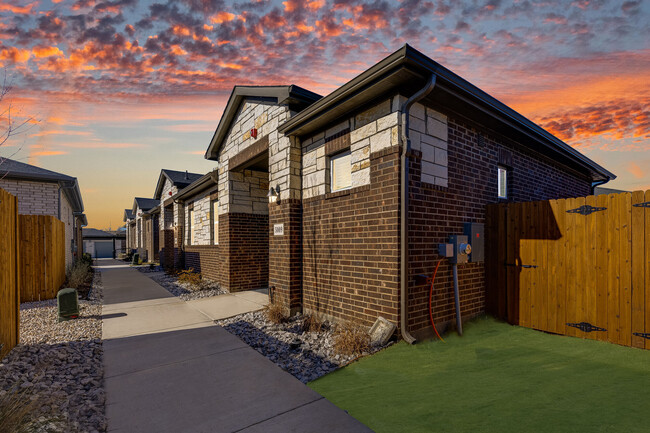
(146, 203)
(10, 168)
(180, 179)
(128, 214)
(96, 233)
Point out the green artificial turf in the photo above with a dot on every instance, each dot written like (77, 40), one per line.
(497, 378)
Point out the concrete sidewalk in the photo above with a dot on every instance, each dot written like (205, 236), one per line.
(168, 368)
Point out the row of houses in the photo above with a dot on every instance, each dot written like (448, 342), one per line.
(337, 203)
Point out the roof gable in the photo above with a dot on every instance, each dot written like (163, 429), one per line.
(294, 96)
(180, 179)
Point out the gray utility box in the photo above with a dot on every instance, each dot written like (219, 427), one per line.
(461, 248)
(67, 301)
(476, 238)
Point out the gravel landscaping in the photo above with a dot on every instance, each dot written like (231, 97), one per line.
(185, 291)
(305, 355)
(59, 365)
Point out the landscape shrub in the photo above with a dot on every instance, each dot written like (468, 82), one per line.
(79, 274)
(18, 411)
(275, 311)
(87, 258)
(311, 323)
(351, 338)
(188, 276)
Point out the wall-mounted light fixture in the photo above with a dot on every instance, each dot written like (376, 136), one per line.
(274, 195)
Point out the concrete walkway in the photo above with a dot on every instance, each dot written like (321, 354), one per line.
(168, 368)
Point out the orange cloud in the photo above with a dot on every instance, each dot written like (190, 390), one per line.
(636, 171)
(180, 30)
(222, 17)
(177, 50)
(47, 153)
(46, 51)
(315, 5)
(15, 55)
(7, 7)
(61, 132)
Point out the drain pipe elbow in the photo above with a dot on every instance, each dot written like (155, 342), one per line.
(406, 148)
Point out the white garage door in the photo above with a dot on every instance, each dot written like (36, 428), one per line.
(103, 249)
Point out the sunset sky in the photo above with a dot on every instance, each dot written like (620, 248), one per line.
(120, 89)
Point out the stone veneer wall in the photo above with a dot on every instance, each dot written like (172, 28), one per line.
(436, 211)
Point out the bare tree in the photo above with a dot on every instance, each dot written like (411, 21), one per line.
(9, 126)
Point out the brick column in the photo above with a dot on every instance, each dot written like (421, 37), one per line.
(285, 254)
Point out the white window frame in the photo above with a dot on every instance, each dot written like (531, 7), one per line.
(192, 233)
(215, 222)
(333, 158)
(502, 182)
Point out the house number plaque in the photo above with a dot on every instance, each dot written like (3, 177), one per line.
(278, 229)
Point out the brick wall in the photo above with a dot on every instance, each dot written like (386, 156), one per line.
(351, 247)
(435, 212)
(241, 260)
(248, 251)
(285, 254)
(34, 198)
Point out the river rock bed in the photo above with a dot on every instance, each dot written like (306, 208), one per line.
(185, 291)
(59, 366)
(305, 355)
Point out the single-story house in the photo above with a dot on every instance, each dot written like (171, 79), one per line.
(146, 228)
(129, 226)
(338, 203)
(102, 244)
(170, 239)
(44, 192)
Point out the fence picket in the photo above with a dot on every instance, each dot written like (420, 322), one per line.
(601, 265)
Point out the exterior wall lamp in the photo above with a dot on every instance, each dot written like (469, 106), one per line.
(274, 195)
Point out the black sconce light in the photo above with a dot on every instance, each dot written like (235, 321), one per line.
(274, 195)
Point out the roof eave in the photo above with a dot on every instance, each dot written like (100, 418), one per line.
(413, 59)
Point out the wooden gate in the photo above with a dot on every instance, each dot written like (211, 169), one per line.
(578, 267)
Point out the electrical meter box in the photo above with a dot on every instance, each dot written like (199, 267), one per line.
(68, 304)
(476, 238)
(462, 248)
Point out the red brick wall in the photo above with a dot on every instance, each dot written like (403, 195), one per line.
(167, 250)
(285, 253)
(351, 247)
(435, 213)
(241, 260)
(248, 251)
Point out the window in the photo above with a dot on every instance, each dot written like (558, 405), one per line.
(190, 227)
(215, 222)
(502, 182)
(341, 171)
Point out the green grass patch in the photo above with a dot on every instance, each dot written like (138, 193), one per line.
(497, 378)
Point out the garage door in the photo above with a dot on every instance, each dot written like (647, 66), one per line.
(103, 249)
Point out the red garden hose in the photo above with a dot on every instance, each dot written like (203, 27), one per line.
(431, 296)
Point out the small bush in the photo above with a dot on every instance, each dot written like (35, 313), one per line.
(87, 258)
(18, 411)
(311, 323)
(79, 274)
(351, 338)
(275, 312)
(188, 276)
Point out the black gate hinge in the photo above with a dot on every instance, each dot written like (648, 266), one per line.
(645, 335)
(644, 204)
(523, 266)
(586, 209)
(586, 327)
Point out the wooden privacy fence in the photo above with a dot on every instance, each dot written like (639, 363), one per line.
(9, 288)
(42, 257)
(577, 267)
